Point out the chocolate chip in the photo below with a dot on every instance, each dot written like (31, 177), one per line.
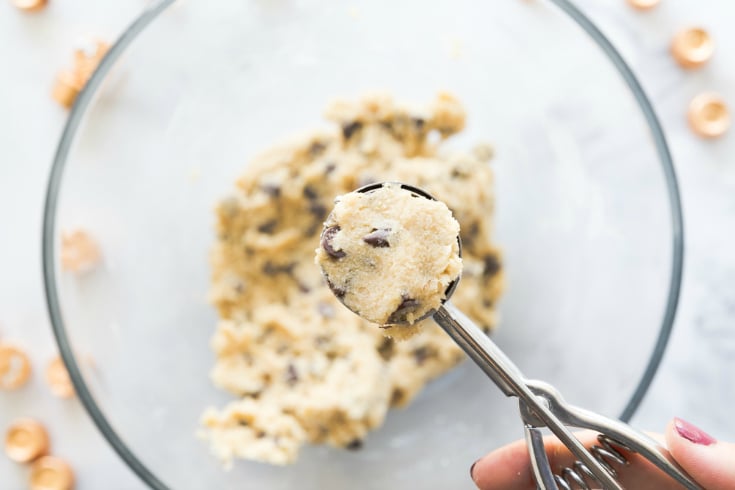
(260, 434)
(421, 354)
(271, 269)
(310, 193)
(491, 265)
(242, 423)
(407, 305)
(338, 291)
(474, 229)
(397, 397)
(272, 190)
(325, 309)
(303, 287)
(419, 122)
(318, 210)
(457, 173)
(386, 348)
(350, 128)
(292, 377)
(317, 148)
(268, 227)
(326, 242)
(329, 168)
(354, 445)
(487, 303)
(378, 237)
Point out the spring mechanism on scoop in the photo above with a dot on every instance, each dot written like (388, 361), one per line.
(606, 454)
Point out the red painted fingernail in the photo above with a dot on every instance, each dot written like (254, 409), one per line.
(692, 433)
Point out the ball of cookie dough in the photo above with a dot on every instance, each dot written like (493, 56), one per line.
(390, 254)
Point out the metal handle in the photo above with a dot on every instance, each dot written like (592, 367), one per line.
(614, 431)
(509, 379)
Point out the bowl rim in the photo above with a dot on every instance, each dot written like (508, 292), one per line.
(131, 33)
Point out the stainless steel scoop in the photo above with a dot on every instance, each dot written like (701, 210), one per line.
(541, 405)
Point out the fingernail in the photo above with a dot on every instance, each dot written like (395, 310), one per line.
(692, 433)
(472, 469)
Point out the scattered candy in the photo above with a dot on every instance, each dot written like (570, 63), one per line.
(643, 4)
(26, 440)
(70, 82)
(66, 88)
(58, 379)
(79, 252)
(87, 56)
(15, 367)
(51, 473)
(708, 115)
(692, 47)
(30, 5)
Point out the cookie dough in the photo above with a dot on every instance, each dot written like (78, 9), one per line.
(389, 254)
(301, 367)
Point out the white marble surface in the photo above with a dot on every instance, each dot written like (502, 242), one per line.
(697, 377)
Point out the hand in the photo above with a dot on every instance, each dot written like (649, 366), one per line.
(709, 462)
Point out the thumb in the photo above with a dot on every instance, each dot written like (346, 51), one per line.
(709, 462)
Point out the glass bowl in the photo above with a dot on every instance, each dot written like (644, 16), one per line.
(588, 216)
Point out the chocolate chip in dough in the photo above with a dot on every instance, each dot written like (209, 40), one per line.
(272, 190)
(472, 231)
(327, 238)
(421, 354)
(271, 269)
(310, 193)
(491, 265)
(354, 445)
(459, 174)
(350, 129)
(338, 291)
(268, 227)
(397, 397)
(407, 305)
(378, 237)
(319, 210)
(386, 348)
(317, 148)
(419, 123)
(292, 376)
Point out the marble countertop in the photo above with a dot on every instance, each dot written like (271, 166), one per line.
(696, 380)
